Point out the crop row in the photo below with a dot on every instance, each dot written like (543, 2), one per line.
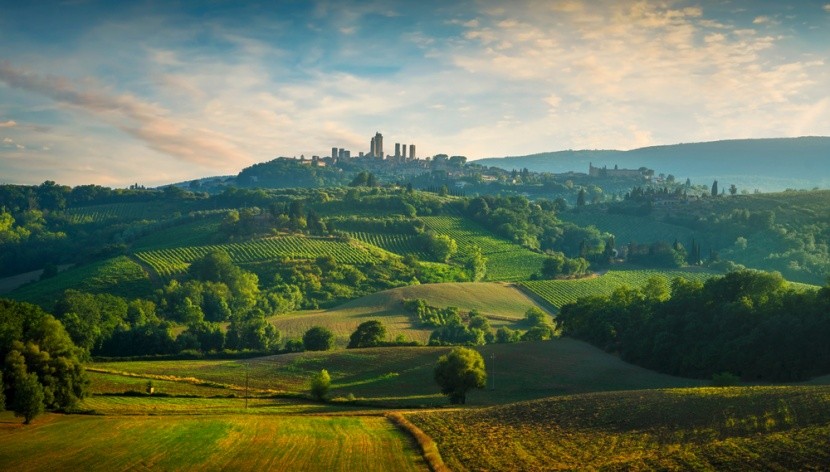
(398, 243)
(167, 262)
(561, 292)
(505, 260)
(627, 229)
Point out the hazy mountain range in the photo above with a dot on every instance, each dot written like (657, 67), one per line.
(763, 164)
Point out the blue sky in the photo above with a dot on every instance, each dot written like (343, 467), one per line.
(154, 92)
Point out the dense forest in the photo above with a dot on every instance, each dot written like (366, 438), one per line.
(747, 323)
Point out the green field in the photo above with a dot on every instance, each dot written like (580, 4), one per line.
(228, 442)
(119, 276)
(626, 228)
(561, 292)
(169, 262)
(741, 428)
(501, 303)
(403, 376)
(506, 261)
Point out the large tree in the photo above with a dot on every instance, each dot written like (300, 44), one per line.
(368, 334)
(460, 371)
(29, 397)
(33, 342)
(318, 338)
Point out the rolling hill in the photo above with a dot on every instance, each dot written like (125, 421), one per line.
(764, 164)
(742, 428)
(500, 302)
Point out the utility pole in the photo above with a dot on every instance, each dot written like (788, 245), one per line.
(492, 371)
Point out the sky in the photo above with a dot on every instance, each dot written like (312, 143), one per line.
(154, 92)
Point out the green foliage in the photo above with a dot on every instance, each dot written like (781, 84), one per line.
(505, 260)
(439, 246)
(458, 372)
(318, 338)
(32, 342)
(320, 385)
(561, 292)
(368, 334)
(28, 397)
(747, 323)
(557, 265)
(725, 379)
(432, 316)
(252, 331)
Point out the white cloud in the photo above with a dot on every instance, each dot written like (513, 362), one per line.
(148, 122)
(8, 124)
(827, 7)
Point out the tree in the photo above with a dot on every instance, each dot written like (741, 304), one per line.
(368, 334)
(476, 264)
(2, 394)
(733, 190)
(318, 338)
(28, 397)
(580, 198)
(458, 372)
(320, 385)
(715, 188)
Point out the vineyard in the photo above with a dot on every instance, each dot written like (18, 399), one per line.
(628, 229)
(505, 260)
(743, 428)
(561, 292)
(397, 243)
(168, 262)
(121, 212)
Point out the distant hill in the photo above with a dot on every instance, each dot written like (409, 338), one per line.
(764, 164)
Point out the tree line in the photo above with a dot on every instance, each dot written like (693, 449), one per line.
(747, 323)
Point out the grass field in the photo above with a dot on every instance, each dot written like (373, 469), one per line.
(118, 276)
(506, 261)
(403, 376)
(228, 442)
(742, 428)
(561, 292)
(498, 301)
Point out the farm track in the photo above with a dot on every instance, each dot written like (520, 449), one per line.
(154, 277)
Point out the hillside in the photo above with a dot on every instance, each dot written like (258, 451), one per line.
(750, 428)
(403, 375)
(764, 164)
(500, 302)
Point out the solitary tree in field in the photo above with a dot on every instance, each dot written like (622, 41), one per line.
(715, 188)
(458, 372)
(369, 333)
(320, 385)
(28, 397)
(318, 338)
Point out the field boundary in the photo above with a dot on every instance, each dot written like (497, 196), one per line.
(550, 307)
(428, 447)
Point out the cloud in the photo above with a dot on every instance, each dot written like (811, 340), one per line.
(143, 120)
(8, 124)
(827, 7)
